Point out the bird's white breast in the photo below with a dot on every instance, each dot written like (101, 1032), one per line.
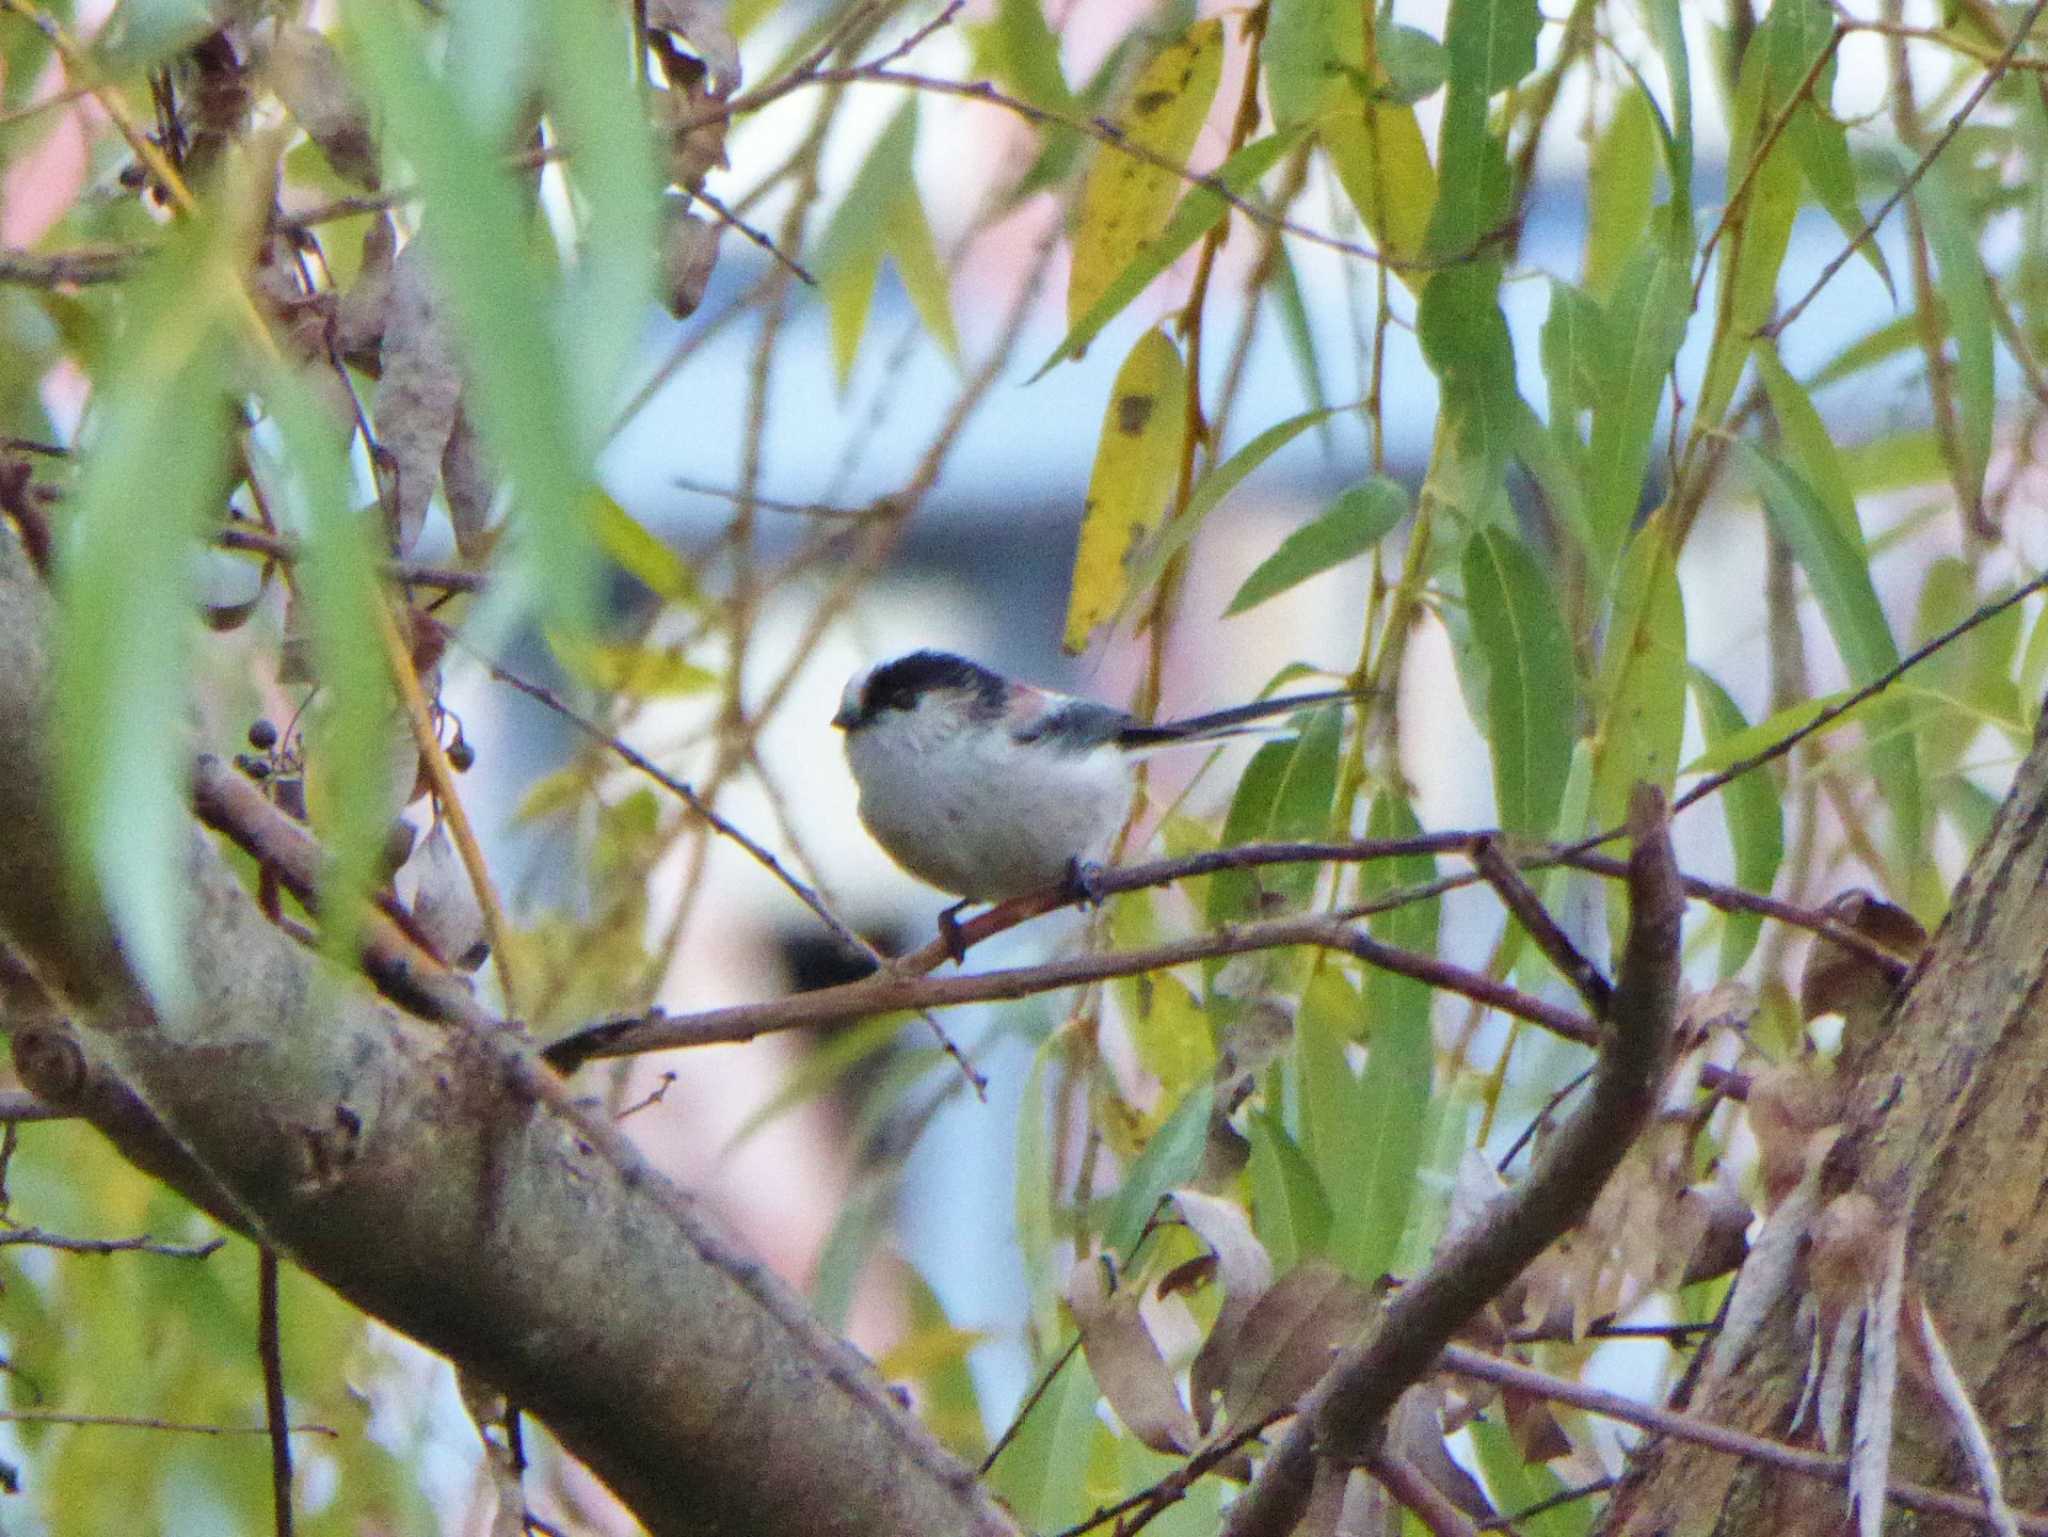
(966, 807)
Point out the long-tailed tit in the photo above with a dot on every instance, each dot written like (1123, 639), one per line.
(990, 789)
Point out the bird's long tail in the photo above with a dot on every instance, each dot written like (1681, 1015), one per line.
(1239, 720)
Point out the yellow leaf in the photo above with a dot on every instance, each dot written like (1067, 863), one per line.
(640, 671)
(1126, 200)
(1136, 463)
(1376, 148)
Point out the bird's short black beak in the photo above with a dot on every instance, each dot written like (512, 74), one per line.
(847, 717)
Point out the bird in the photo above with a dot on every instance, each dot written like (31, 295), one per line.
(990, 789)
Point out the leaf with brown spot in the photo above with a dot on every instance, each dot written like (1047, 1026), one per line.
(1126, 201)
(1136, 463)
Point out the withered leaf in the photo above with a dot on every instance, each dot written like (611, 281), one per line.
(445, 904)
(1125, 1359)
(360, 313)
(1415, 1431)
(418, 397)
(689, 250)
(700, 26)
(1245, 1269)
(1842, 981)
(1285, 1343)
(471, 490)
(307, 75)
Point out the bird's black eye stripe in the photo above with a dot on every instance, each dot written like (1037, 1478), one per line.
(900, 684)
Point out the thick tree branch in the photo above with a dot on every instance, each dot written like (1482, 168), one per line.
(1342, 1418)
(444, 1181)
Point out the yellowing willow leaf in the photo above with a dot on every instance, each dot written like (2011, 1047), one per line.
(1135, 464)
(1126, 200)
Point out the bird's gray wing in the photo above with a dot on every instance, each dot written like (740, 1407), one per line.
(1076, 725)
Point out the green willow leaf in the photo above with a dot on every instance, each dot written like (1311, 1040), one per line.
(1531, 704)
(1839, 572)
(1756, 821)
(157, 474)
(477, 232)
(1352, 525)
(1966, 298)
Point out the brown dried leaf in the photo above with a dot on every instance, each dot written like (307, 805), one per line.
(1285, 1343)
(688, 113)
(471, 490)
(418, 397)
(1768, 1274)
(1246, 1270)
(700, 26)
(1787, 1106)
(306, 73)
(689, 250)
(1841, 981)
(1415, 1431)
(360, 313)
(445, 904)
(1125, 1359)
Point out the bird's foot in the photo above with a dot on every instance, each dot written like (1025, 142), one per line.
(949, 931)
(1084, 882)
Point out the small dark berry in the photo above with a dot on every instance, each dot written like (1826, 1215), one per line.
(262, 734)
(461, 755)
(253, 766)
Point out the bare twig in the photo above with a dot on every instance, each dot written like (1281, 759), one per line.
(1467, 1362)
(1343, 1416)
(276, 1412)
(76, 268)
(37, 1238)
(143, 1422)
(1519, 898)
(1993, 73)
(757, 237)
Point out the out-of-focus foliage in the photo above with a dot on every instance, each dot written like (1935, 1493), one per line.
(344, 305)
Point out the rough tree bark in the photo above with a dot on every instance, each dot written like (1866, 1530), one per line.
(1946, 1099)
(444, 1181)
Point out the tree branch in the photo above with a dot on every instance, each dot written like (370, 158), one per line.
(443, 1180)
(1342, 1418)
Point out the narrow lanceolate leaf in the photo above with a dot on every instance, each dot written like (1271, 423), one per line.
(1465, 339)
(1285, 794)
(1641, 702)
(1966, 296)
(1839, 571)
(1353, 524)
(1645, 323)
(1170, 1158)
(1126, 200)
(155, 474)
(1668, 28)
(476, 226)
(1492, 44)
(1531, 704)
(1394, 1092)
(1126, 1359)
(349, 767)
(1136, 462)
(1759, 227)
(1620, 178)
(849, 257)
(1811, 445)
(1198, 213)
(1287, 1199)
(1377, 150)
(585, 64)
(1756, 821)
(1043, 1474)
(1149, 565)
